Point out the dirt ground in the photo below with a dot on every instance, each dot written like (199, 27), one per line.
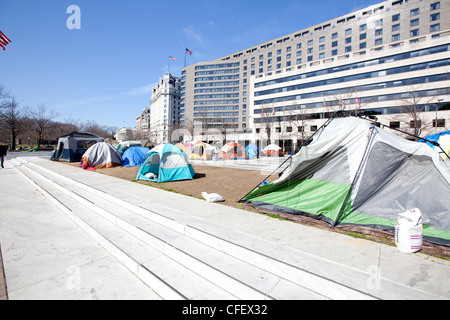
(233, 184)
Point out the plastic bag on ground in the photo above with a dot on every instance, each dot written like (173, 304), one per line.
(409, 231)
(212, 197)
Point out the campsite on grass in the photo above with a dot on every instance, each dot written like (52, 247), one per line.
(352, 175)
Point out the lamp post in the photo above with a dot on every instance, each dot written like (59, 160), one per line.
(437, 109)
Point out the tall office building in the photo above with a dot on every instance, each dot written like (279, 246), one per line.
(165, 109)
(391, 60)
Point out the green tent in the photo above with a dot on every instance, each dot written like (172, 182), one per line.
(354, 173)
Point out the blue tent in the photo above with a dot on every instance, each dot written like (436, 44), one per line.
(252, 151)
(134, 156)
(443, 139)
(164, 163)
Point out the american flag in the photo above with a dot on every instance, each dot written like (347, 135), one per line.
(357, 101)
(189, 52)
(3, 40)
(172, 59)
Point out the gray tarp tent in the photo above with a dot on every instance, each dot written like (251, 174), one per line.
(72, 146)
(354, 173)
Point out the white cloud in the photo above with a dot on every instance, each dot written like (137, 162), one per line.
(194, 35)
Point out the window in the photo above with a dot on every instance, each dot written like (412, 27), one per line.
(310, 50)
(396, 37)
(299, 46)
(378, 41)
(415, 22)
(334, 44)
(310, 58)
(322, 39)
(362, 36)
(414, 12)
(288, 56)
(310, 43)
(438, 123)
(299, 53)
(378, 32)
(396, 27)
(348, 40)
(313, 128)
(435, 27)
(321, 47)
(435, 6)
(299, 61)
(415, 124)
(321, 55)
(362, 45)
(414, 33)
(334, 52)
(363, 27)
(435, 16)
(379, 22)
(288, 49)
(394, 124)
(396, 17)
(348, 49)
(348, 31)
(334, 35)
(279, 51)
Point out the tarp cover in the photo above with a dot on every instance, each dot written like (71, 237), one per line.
(354, 173)
(101, 155)
(134, 156)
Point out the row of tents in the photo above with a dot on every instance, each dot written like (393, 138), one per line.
(232, 150)
(352, 173)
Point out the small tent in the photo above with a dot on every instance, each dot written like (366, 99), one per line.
(165, 163)
(252, 151)
(273, 150)
(101, 155)
(181, 146)
(356, 174)
(201, 150)
(233, 150)
(72, 146)
(125, 145)
(443, 140)
(134, 156)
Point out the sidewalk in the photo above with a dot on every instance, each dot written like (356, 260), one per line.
(47, 256)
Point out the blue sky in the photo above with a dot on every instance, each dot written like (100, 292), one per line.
(104, 71)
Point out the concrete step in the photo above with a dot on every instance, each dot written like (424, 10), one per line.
(190, 238)
(221, 262)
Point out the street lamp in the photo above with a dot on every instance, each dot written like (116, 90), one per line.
(437, 109)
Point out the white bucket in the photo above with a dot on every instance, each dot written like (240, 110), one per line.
(409, 231)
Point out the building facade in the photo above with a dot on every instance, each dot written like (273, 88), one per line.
(390, 60)
(143, 123)
(165, 109)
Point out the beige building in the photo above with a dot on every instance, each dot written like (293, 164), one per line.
(390, 60)
(165, 109)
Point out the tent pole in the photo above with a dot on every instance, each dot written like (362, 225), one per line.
(358, 172)
(290, 157)
(356, 114)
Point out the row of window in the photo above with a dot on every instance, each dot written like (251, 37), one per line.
(357, 65)
(361, 76)
(349, 102)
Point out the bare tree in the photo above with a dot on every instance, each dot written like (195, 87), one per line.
(11, 119)
(42, 121)
(413, 106)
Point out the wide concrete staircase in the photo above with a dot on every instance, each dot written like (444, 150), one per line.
(179, 260)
